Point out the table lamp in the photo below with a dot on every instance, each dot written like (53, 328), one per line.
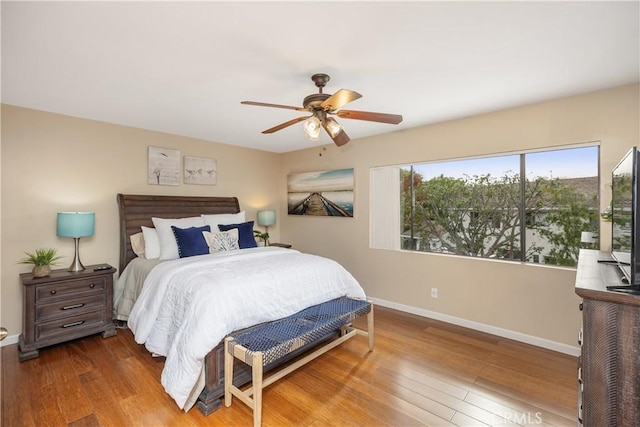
(266, 218)
(76, 225)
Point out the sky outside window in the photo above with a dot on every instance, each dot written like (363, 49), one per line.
(564, 163)
(569, 163)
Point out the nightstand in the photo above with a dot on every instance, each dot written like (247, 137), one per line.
(64, 306)
(280, 245)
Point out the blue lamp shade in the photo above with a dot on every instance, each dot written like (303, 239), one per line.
(266, 218)
(76, 224)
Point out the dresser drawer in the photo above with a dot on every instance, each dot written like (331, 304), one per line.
(70, 307)
(69, 326)
(74, 288)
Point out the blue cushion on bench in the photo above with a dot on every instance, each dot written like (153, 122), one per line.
(280, 337)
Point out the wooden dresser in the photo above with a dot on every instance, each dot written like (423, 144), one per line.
(64, 306)
(609, 365)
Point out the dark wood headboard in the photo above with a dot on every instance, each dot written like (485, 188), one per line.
(136, 211)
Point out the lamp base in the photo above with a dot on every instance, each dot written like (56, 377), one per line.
(76, 265)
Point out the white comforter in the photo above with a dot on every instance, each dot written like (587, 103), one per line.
(188, 306)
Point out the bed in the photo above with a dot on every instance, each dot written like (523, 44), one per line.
(136, 211)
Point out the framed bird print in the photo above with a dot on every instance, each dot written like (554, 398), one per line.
(198, 170)
(164, 166)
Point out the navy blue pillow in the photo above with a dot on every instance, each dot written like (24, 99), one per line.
(191, 241)
(246, 238)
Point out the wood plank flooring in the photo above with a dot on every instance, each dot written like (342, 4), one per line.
(422, 372)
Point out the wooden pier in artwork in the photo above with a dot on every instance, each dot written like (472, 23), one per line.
(317, 204)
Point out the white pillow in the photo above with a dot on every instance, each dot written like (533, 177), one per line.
(222, 240)
(214, 220)
(151, 243)
(168, 244)
(137, 244)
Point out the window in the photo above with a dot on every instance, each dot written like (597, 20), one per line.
(530, 207)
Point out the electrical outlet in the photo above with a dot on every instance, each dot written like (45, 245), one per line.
(434, 292)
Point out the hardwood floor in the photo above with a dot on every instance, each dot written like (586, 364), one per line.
(422, 372)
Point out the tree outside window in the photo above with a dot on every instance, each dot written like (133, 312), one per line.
(533, 215)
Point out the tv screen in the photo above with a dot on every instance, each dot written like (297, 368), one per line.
(624, 210)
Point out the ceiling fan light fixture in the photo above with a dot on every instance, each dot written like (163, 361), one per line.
(320, 105)
(312, 128)
(332, 126)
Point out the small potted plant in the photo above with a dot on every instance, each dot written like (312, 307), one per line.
(262, 236)
(42, 260)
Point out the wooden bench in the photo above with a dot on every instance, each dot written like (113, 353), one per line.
(270, 341)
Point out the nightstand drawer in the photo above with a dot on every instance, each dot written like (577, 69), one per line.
(69, 325)
(47, 293)
(70, 307)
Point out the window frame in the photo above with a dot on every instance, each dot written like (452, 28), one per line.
(408, 234)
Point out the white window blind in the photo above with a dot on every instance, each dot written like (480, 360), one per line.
(384, 208)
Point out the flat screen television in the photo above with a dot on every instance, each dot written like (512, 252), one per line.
(625, 221)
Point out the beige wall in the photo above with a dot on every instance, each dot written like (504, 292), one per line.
(527, 299)
(52, 163)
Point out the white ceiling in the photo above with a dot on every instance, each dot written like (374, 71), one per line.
(183, 68)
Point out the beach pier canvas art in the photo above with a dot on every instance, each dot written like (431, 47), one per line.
(323, 193)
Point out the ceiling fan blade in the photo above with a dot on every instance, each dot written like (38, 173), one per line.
(263, 104)
(285, 124)
(340, 98)
(393, 119)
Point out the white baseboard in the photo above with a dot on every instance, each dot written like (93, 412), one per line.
(10, 339)
(505, 333)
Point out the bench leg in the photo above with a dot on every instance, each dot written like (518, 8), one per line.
(228, 374)
(256, 378)
(252, 396)
(370, 328)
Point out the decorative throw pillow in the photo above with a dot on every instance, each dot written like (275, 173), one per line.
(151, 243)
(190, 240)
(222, 240)
(168, 245)
(245, 233)
(137, 244)
(213, 220)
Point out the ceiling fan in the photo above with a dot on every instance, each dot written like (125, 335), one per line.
(321, 106)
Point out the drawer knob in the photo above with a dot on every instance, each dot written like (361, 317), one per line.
(93, 285)
(53, 292)
(581, 306)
